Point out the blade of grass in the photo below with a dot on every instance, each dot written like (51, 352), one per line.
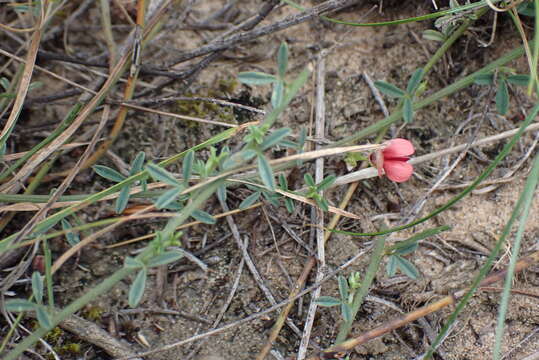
(529, 188)
(525, 196)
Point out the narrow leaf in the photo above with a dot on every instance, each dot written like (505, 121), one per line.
(203, 217)
(37, 287)
(137, 164)
(165, 258)
(122, 200)
(221, 193)
(391, 268)
(18, 305)
(108, 173)
(289, 205)
(249, 200)
(274, 138)
(160, 174)
(167, 197)
(414, 81)
(282, 59)
(187, 166)
(389, 89)
(328, 301)
(346, 312)
(502, 97)
(407, 111)
(484, 79)
(256, 78)
(433, 35)
(133, 263)
(43, 318)
(519, 79)
(407, 267)
(137, 288)
(265, 172)
(71, 237)
(308, 179)
(343, 288)
(277, 94)
(326, 183)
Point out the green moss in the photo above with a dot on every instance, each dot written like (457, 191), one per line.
(93, 313)
(206, 109)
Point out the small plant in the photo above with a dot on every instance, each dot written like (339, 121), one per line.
(395, 253)
(314, 191)
(407, 96)
(347, 290)
(278, 81)
(115, 176)
(503, 76)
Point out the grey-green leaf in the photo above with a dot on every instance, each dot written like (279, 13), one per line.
(138, 162)
(71, 237)
(137, 288)
(308, 179)
(165, 258)
(519, 79)
(108, 173)
(502, 97)
(326, 183)
(389, 89)
(187, 166)
(282, 59)
(249, 200)
(346, 312)
(203, 217)
(133, 263)
(256, 78)
(328, 301)
(265, 172)
(391, 268)
(160, 174)
(221, 193)
(20, 305)
(167, 197)
(37, 287)
(43, 317)
(123, 199)
(414, 81)
(343, 288)
(406, 267)
(433, 35)
(484, 79)
(277, 95)
(274, 138)
(407, 111)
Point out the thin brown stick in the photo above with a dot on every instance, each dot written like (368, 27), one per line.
(338, 350)
(328, 6)
(250, 318)
(284, 313)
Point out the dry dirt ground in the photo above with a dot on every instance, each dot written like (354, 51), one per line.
(447, 262)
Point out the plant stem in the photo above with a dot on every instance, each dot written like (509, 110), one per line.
(362, 291)
(109, 282)
(466, 81)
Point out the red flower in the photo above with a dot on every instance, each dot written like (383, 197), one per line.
(392, 160)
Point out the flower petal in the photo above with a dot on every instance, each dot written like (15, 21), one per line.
(398, 148)
(398, 171)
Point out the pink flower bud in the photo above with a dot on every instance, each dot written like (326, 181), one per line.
(392, 160)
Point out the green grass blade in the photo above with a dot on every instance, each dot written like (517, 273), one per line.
(529, 188)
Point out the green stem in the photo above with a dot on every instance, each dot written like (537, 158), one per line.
(462, 83)
(526, 194)
(530, 186)
(109, 282)
(362, 291)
